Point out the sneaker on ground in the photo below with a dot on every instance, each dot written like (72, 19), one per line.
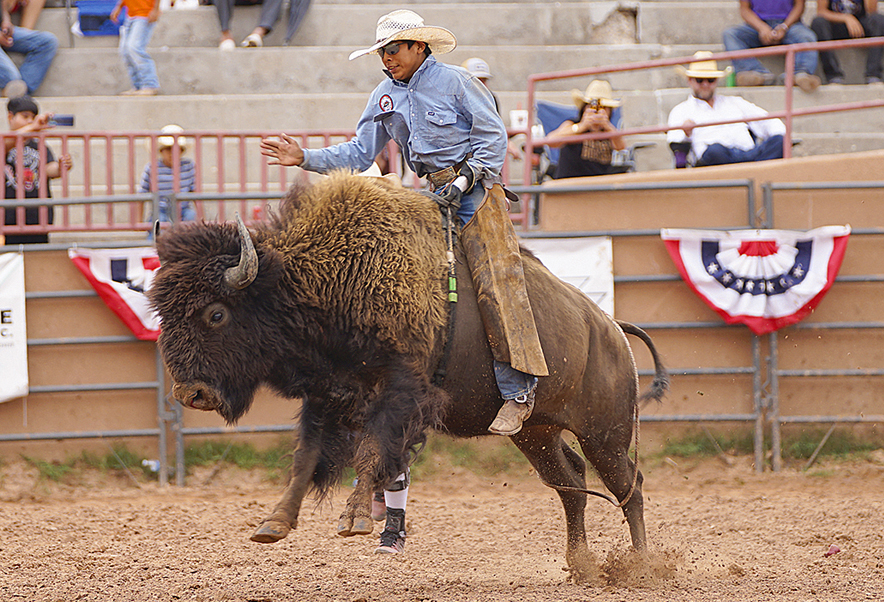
(147, 92)
(392, 542)
(837, 80)
(227, 44)
(874, 80)
(807, 82)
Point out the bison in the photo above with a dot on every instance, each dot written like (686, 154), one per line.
(340, 300)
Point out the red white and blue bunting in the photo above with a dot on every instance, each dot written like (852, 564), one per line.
(121, 277)
(765, 279)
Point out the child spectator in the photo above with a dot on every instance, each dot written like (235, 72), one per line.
(24, 117)
(135, 33)
(842, 19)
(166, 176)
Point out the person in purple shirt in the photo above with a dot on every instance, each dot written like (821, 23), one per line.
(766, 23)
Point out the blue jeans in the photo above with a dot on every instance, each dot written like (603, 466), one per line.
(185, 210)
(743, 37)
(39, 48)
(511, 382)
(716, 154)
(134, 36)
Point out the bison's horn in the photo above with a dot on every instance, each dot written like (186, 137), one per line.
(244, 274)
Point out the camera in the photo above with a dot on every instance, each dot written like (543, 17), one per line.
(594, 104)
(62, 120)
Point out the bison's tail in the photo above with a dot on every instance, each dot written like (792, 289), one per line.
(660, 385)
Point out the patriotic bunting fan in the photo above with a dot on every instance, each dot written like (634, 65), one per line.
(765, 279)
(121, 278)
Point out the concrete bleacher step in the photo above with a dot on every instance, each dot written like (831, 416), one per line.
(312, 85)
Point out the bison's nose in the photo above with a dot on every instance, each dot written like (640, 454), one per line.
(192, 396)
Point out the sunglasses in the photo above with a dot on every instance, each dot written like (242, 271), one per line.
(706, 80)
(391, 49)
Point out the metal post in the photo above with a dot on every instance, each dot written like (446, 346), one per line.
(161, 419)
(179, 444)
(758, 403)
(774, 414)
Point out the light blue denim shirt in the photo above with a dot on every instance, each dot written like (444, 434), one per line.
(438, 117)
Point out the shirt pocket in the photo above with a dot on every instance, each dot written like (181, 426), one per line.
(439, 128)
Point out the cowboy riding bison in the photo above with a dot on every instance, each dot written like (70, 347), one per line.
(341, 301)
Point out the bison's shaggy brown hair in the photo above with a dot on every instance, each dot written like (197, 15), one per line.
(376, 258)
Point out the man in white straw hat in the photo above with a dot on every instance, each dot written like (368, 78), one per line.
(721, 144)
(445, 122)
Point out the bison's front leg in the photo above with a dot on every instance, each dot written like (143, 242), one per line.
(356, 517)
(284, 517)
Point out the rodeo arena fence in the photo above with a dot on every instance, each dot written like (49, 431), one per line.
(99, 196)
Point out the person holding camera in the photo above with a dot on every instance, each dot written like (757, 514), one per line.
(595, 109)
(24, 117)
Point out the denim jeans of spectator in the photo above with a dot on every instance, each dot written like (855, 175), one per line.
(134, 37)
(186, 212)
(716, 154)
(743, 37)
(39, 49)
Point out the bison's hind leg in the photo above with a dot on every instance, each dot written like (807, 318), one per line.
(557, 464)
(618, 472)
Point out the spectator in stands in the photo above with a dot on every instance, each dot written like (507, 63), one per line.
(479, 69)
(589, 157)
(135, 33)
(30, 11)
(767, 23)
(270, 11)
(24, 117)
(843, 19)
(721, 144)
(166, 176)
(39, 48)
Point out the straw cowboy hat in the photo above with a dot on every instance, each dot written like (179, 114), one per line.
(168, 140)
(407, 25)
(477, 67)
(596, 90)
(702, 66)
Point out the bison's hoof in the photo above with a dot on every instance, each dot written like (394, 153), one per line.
(359, 525)
(271, 531)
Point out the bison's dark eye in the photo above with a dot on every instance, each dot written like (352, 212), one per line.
(216, 315)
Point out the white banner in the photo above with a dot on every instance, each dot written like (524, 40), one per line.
(13, 336)
(587, 263)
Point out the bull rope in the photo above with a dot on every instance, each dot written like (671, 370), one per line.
(439, 374)
(635, 432)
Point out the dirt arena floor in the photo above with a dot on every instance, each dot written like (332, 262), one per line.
(718, 532)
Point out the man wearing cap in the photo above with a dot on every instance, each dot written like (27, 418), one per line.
(595, 108)
(450, 133)
(721, 144)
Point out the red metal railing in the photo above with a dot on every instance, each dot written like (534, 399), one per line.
(100, 192)
(787, 114)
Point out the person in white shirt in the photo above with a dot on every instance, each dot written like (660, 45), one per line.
(721, 144)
